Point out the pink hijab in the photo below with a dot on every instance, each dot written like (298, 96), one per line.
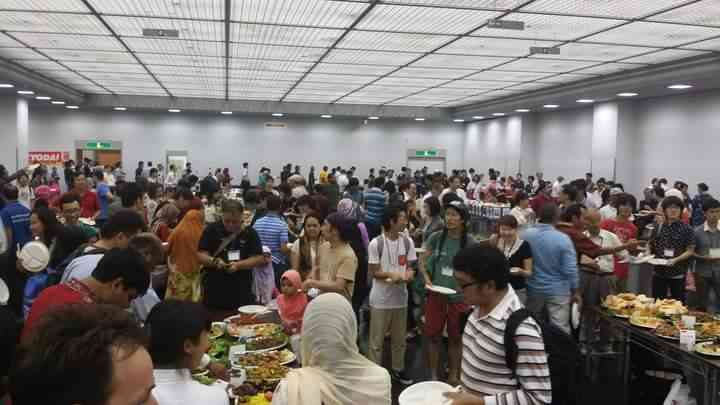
(292, 307)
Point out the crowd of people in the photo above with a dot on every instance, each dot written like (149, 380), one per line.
(393, 251)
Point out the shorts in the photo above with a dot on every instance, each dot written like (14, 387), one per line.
(438, 311)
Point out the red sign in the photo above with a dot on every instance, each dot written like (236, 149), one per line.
(48, 158)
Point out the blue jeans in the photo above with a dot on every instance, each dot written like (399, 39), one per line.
(555, 309)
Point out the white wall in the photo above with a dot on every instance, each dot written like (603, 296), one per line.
(226, 141)
(8, 132)
(494, 143)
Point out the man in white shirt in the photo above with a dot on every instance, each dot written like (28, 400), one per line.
(557, 187)
(25, 192)
(389, 257)
(609, 210)
(455, 184)
(343, 181)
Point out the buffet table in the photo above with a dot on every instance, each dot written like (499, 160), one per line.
(704, 367)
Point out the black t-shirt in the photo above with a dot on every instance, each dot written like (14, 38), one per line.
(516, 259)
(223, 290)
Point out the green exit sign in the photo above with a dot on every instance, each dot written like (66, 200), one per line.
(98, 145)
(426, 153)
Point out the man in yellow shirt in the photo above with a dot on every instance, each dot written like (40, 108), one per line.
(324, 175)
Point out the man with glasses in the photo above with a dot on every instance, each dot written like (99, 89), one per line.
(70, 211)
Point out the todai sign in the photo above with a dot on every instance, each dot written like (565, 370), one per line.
(48, 158)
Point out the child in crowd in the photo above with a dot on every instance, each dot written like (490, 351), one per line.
(264, 280)
(292, 301)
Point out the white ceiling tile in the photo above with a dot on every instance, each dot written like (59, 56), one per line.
(175, 86)
(665, 56)
(187, 29)
(315, 92)
(139, 92)
(271, 64)
(105, 67)
(70, 41)
(197, 93)
(608, 68)
(62, 75)
(353, 69)
(6, 41)
(603, 8)
(363, 101)
(310, 87)
(192, 9)
(309, 99)
(494, 46)
(710, 45)
(701, 13)
(316, 13)
(49, 22)
(654, 34)
(176, 46)
(327, 78)
(392, 41)
(181, 60)
(478, 4)
(20, 53)
(595, 52)
(429, 20)
(117, 76)
(459, 61)
(550, 27)
(191, 81)
(528, 86)
(89, 56)
(446, 92)
(41, 65)
(479, 84)
(385, 91)
(413, 102)
(246, 95)
(370, 57)
(503, 75)
(44, 5)
(435, 73)
(407, 81)
(281, 35)
(566, 78)
(258, 85)
(139, 84)
(276, 52)
(545, 65)
(187, 71)
(265, 75)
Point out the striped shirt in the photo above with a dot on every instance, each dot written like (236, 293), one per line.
(273, 232)
(375, 204)
(484, 372)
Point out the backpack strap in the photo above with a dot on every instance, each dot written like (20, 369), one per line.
(511, 327)
(436, 257)
(380, 245)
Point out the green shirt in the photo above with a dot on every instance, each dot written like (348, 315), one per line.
(89, 231)
(442, 259)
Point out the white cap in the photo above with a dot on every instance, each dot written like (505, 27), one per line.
(673, 192)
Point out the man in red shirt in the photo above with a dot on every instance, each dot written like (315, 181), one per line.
(120, 276)
(89, 202)
(625, 231)
(543, 197)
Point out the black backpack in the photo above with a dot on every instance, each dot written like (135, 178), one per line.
(55, 276)
(562, 352)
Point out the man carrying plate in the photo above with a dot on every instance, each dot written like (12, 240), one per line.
(437, 269)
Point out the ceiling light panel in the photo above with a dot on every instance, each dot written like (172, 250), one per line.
(700, 13)
(20, 53)
(69, 41)
(279, 35)
(326, 78)
(665, 56)
(271, 65)
(479, 84)
(48, 22)
(609, 68)
(494, 46)
(353, 69)
(191, 9)
(46, 5)
(393, 41)
(604, 8)
(187, 71)
(279, 52)
(595, 52)
(546, 65)
(105, 67)
(501, 5)
(407, 81)
(370, 57)
(89, 56)
(176, 46)
(459, 61)
(316, 13)
(435, 73)
(430, 20)
(654, 34)
(709, 45)
(550, 27)
(566, 78)
(181, 60)
(188, 29)
(41, 65)
(504, 75)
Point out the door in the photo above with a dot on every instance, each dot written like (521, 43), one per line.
(108, 157)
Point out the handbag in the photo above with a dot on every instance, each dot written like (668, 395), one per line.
(199, 283)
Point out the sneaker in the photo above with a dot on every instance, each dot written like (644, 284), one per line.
(401, 377)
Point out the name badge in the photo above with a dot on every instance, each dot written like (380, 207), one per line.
(447, 271)
(234, 255)
(669, 253)
(715, 252)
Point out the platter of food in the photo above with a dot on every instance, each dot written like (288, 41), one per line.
(216, 330)
(260, 329)
(252, 309)
(271, 372)
(266, 343)
(708, 348)
(625, 304)
(670, 307)
(671, 331)
(648, 322)
(282, 357)
(249, 394)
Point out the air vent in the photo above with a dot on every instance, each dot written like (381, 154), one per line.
(152, 32)
(544, 50)
(275, 125)
(506, 24)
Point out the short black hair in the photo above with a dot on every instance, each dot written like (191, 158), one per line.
(99, 174)
(378, 182)
(184, 193)
(343, 225)
(169, 324)
(232, 207)
(548, 213)
(624, 199)
(484, 263)
(391, 213)
(572, 211)
(570, 190)
(710, 204)
(273, 203)
(69, 198)
(703, 187)
(124, 221)
(434, 205)
(508, 220)
(148, 243)
(10, 192)
(69, 355)
(672, 201)
(127, 264)
(448, 198)
(131, 192)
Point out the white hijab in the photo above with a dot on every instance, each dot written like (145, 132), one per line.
(333, 370)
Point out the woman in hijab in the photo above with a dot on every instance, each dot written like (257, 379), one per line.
(333, 370)
(349, 209)
(164, 220)
(184, 277)
(292, 301)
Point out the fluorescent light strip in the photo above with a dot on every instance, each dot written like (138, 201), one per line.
(226, 112)
(57, 102)
(373, 118)
(26, 92)
(551, 106)
(478, 117)
(72, 107)
(419, 119)
(458, 120)
(43, 98)
(522, 110)
(628, 94)
(173, 110)
(679, 86)
(585, 101)
(119, 108)
(498, 114)
(326, 116)
(6, 86)
(278, 114)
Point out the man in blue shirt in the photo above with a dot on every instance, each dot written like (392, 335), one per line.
(15, 219)
(273, 232)
(554, 281)
(104, 195)
(375, 201)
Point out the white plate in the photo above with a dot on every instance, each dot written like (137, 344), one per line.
(641, 259)
(419, 250)
(425, 393)
(87, 221)
(269, 349)
(441, 290)
(700, 348)
(252, 309)
(34, 256)
(575, 315)
(658, 262)
(4, 293)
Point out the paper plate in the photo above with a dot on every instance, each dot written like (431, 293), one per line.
(419, 250)
(441, 290)
(658, 262)
(252, 309)
(87, 221)
(34, 256)
(4, 293)
(575, 315)
(425, 393)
